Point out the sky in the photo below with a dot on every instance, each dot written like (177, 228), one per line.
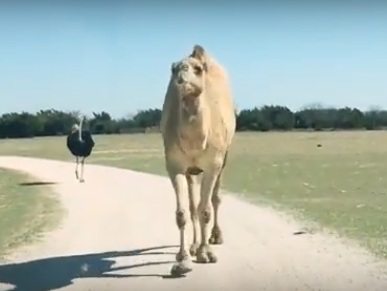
(116, 55)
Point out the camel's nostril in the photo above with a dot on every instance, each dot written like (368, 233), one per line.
(180, 80)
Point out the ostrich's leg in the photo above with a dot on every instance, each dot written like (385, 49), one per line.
(194, 195)
(82, 167)
(76, 167)
(210, 175)
(179, 183)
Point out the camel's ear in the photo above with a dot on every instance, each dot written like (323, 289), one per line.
(198, 52)
(173, 67)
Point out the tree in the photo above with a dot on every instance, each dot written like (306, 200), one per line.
(50, 122)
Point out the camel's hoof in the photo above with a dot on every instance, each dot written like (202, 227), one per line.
(216, 238)
(194, 249)
(182, 256)
(181, 268)
(81, 181)
(205, 255)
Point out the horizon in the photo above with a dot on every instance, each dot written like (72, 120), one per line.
(82, 55)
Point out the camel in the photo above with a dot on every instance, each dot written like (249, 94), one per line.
(197, 126)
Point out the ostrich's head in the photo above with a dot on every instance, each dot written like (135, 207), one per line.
(188, 77)
(75, 127)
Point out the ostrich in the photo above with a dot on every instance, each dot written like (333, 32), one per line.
(80, 143)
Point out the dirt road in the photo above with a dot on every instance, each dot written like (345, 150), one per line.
(119, 233)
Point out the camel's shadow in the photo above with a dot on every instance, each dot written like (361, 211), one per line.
(58, 272)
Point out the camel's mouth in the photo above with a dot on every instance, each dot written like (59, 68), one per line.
(187, 90)
(190, 100)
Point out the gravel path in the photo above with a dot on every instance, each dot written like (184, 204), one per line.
(119, 233)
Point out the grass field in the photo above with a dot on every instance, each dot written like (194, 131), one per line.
(25, 210)
(342, 185)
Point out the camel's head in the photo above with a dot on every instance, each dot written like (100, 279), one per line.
(188, 76)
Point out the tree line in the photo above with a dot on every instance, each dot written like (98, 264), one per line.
(266, 118)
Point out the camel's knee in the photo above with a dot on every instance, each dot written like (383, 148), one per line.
(181, 218)
(216, 200)
(205, 214)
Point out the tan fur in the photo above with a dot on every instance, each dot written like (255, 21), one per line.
(197, 126)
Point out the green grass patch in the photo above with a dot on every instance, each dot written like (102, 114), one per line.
(25, 211)
(342, 185)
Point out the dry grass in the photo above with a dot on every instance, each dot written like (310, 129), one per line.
(342, 185)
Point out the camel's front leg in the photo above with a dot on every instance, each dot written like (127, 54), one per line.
(194, 195)
(183, 258)
(216, 237)
(216, 233)
(205, 253)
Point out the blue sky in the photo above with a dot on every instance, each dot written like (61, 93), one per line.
(116, 55)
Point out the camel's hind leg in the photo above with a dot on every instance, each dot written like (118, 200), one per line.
(216, 237)
(194, 195)
(183, 258)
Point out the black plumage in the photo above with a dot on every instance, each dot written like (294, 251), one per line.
(80, 146)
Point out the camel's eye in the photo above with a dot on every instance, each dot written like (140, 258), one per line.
(205, 68)
(198, 70)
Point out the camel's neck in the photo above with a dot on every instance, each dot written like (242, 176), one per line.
(193, 128)
(193, 117)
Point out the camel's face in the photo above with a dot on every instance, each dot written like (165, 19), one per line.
(188, 75)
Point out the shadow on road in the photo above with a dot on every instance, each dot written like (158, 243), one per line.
(37, 183)
(58, 272)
